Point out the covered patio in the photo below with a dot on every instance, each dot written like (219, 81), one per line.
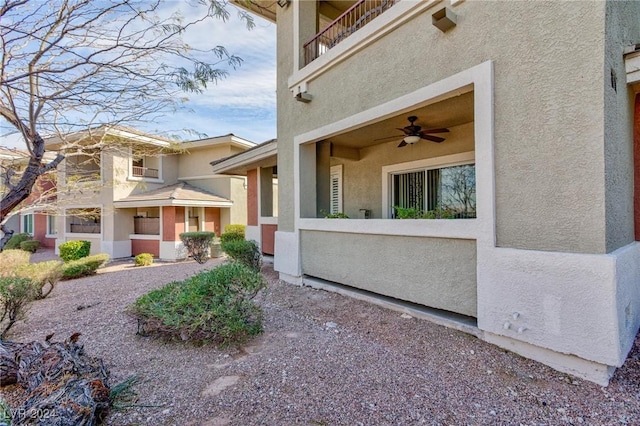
(153, 221)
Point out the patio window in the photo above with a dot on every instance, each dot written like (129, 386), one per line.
(27, 223)
(51, 225)
(145, 167)
(83, 166)
(84, 221)
(336, 189)
(445, 192)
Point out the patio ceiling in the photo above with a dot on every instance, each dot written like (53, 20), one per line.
(448, 113)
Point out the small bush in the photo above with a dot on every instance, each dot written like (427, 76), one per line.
(83, 267)
(212, 306)
(246, 252)
(10, 260)
(235, 229)
(232, 233)
(15, 294)
(45, 275)
(197, 244)
(74, 250)
(144, 259)
(30, 245)
(14, 241)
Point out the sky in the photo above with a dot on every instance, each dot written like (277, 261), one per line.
(244, 103)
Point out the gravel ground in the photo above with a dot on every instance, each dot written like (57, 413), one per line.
(324, 359)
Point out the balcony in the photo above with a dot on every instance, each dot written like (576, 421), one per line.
(145, 172)
(354, 18)
(146, 225)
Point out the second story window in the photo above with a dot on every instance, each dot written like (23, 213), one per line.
(82, 166)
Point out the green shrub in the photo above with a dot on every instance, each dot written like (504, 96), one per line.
(74, 250)
(14, 241)
(197, 244)
(245, 252)
(212, 306)
(83, 267)
(15, 294)
(43, 275)
(10, 260)
(235, 229)
(144, 259)
(30, 245)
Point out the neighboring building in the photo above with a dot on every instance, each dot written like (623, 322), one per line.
(35, 221)
(259, 166)
(137, 194)
(536, 169)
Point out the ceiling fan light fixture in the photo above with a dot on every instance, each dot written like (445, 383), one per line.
(411, 139)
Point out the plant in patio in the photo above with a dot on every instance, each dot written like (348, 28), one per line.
(197, 244)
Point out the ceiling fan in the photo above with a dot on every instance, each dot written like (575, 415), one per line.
(413, 133)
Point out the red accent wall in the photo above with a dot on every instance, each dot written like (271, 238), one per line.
(145, 246)
(179, 223)
(636, 162)
(40, 230)
(268, 238)
(168, 221)
(212, 219)
(252, 197)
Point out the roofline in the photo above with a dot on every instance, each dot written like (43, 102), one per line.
(164, 202)
(114, 130)
(262, 8)
(255, 154)
(219, 140)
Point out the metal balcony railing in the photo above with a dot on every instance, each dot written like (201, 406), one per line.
(144, 172)
(356, 17)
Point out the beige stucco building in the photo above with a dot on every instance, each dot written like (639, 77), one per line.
(138, 192)
(534, 237)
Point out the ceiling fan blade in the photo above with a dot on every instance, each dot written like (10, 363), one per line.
(389, 137)
(404, 130)
(439, 130)
(403, 143)
(432, 138)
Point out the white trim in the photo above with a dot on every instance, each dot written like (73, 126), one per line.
(426, 163)
(259, 153)
(267, 220)
(465, 229)
(391, 19)
(83, 235)
(144, 179)
(144, 237)
(632, 67)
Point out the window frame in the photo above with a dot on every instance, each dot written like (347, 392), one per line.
(336, 172)
(413, 166)
(53, 218)
(23, 226)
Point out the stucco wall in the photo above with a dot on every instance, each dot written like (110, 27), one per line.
(422, 271)
(622, 29)
(196, 161)
(548, 108)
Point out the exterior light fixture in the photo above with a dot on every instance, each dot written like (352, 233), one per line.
(411, 139)
(444, 19)
(283, 3)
